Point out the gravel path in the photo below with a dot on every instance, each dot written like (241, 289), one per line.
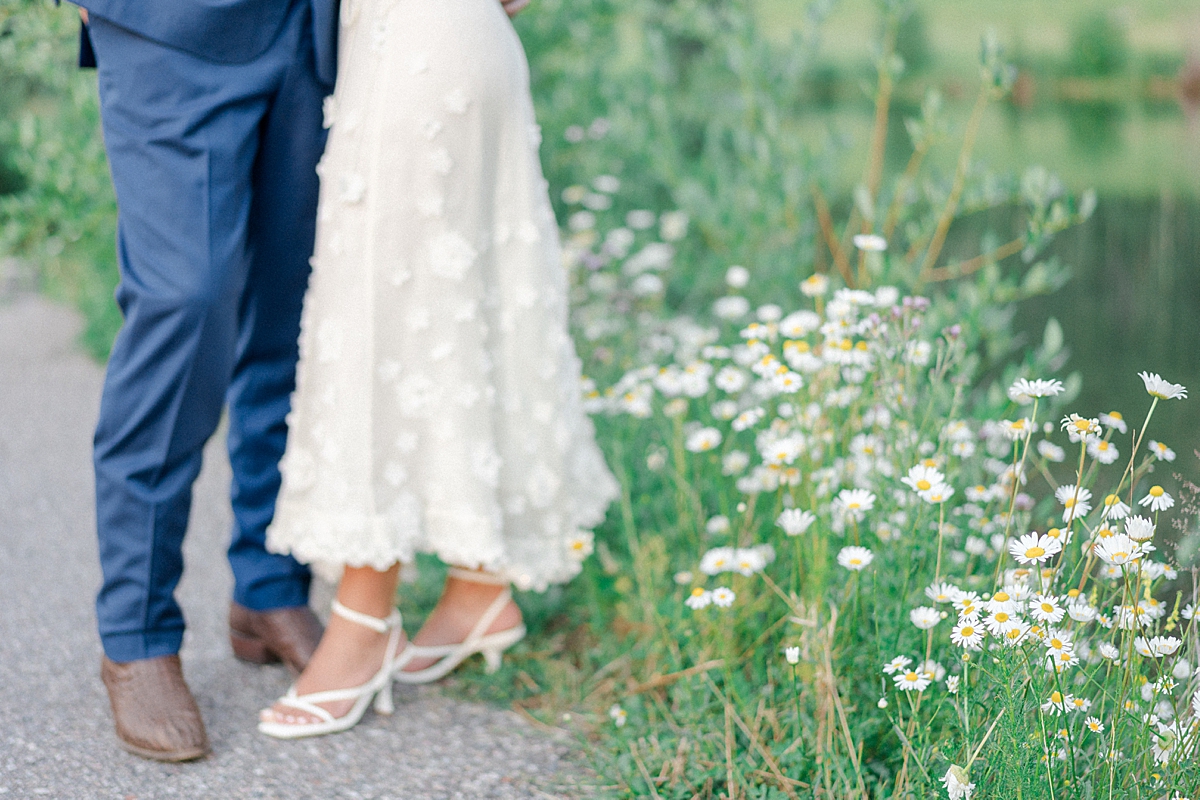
(55, 730)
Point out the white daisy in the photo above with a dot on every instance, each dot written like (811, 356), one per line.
(723, 597)
(1164, 390)
(958, 785)
(896, 664)
(815, 285)
(943, 592)
(1051, 451)
(1114, 420)
(952, 684)
(870, 242)
(1157, 499)
(795, 522)
(792, 655)
(1075, 501)
(1109, 651)
(1140, 529)
(1023, 390)
(854, 558)
(1103, 451)
(698, 599)
(1113, 508)
(854, 502)
(1079, 428)
(967, 634)
(1156, 647)
(1094, 725)
(1057, 703)
(911, 681)
(1047, 609)
(922, 478)
(1161, 451)
(1120, 550)
(925, 617)
(1034, 549)
(702, 440)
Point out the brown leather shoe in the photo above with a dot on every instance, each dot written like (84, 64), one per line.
(154, 711)
(289, 635)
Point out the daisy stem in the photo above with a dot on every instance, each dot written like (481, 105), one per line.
(1046, 751)
(1019, 469)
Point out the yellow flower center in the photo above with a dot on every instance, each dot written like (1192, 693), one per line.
(861, 346)
(1115, 415)
(697, 592)
(854, 506)
(924, 484)
(1057, 644)
(1073, 593)
(1000, 616)
(1070, 502)
(1046, 607)
(1019, 425)
(1054, 533)
(1104, 533)
(1056, 697)
(1120, 555)
(1015, 633)
(911, 677)
(1156, 491)
(1035, 552)
(1001, 597)
(966, 631)
(846, 344)
(1103, 446)
(929, 462)
(1111, 500)
(1083, 424)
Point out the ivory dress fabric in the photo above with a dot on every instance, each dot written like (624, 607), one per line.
(437, 406)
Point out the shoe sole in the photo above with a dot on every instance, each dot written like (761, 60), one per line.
(173, 756)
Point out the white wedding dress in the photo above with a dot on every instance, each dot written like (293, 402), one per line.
(437, 406)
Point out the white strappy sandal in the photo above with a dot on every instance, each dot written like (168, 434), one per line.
(449, 656)
(378, 687)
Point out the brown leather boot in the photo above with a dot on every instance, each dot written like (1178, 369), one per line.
(289, 635)
(154, 711)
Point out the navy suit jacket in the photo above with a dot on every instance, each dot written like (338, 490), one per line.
(224, 31)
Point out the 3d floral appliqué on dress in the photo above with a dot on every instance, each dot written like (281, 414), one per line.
(437, 406)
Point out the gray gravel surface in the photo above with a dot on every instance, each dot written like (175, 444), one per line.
(56, 735)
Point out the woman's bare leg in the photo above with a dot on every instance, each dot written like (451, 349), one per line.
(461, 605)
(349, 654)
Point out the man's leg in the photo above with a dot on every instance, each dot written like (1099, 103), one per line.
(282, 220)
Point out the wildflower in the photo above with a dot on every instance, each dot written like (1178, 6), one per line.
(958, 784)
(918, 352)
(1046, 609)
(911, 681)
(1074, 500)
(1015, 633)
(932, 670)
(924, 617)
(1161, 451)
(962, 449)
(1080, 428)
(581, 545)
(792, 655)
(1189, 612)
(1081, 704)
(870, 243)
(1034, 549)
(967, 634)
(684, 577)
(1003, 601)
(815, 285)
(966, 603)
(1094, 725)
(795, 522)
(750, 560)
(717, 560)
(618, 715)
(922, 478)
(1109, 651)
(1120, 550)
(939, 493)
(731, 307)
(747, 419)
(723, 597)
(854, 558)
(799, 324)
(952, 684)
(1163, 390)
(1157, 647)
(1114, 508)
(737, 277)
(1023, 390)
(735, 461)
(1081, 611)
(703, 440)
(1057, 703)
(1157, 499)
(672, 225)
(943, 592)
(698, 599)
(724, 409)
(855, 502)
(1103, 451)
(1016, 429)
(1051, 451)
(731, 380)
(896, 664)
(1114, 420)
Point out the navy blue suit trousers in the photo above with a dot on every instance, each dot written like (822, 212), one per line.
(214, 169)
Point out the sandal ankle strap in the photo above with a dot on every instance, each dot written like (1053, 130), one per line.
(392, 620)
(474, 576)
